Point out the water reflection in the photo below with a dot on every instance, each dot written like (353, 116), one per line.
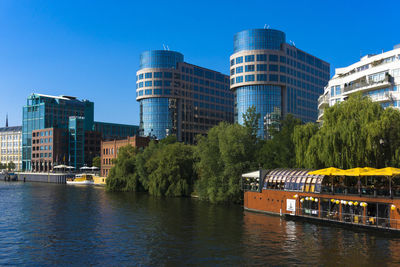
(42, 224)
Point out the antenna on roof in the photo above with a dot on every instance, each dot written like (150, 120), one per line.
(266, 26)
(292, 43)
(164, 46)
(167, 48)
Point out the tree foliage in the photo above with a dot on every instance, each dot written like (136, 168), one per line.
(96, 162)
(355, 133)
(251, 119)
(123, 176)
(278, 152)
(223, 155)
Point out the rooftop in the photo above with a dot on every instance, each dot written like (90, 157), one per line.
(11, 129)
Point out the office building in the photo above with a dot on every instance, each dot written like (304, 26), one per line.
(180, 98)
(10, 145)
(109, 150)
(83, 135)
(272, 75)
(376, 76)
(49, 148)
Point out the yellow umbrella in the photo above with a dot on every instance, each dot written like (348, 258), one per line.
(354, 172)
(388, 172)
(327, 171)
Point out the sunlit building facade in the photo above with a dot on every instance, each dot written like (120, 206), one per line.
(180, 98)
(376, 76)
(10, 146)
(272, 75)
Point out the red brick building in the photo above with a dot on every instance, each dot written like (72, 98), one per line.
(49, 148)
(109, 150)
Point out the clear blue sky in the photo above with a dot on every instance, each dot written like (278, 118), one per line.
(90, 49)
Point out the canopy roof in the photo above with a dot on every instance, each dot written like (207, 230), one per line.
(366, 171)
(327, 171)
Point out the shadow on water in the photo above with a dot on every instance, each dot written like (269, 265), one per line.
(46, 224)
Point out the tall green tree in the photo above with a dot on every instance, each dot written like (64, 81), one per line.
(278, 151)
(172, 171)
(96, 162)
(251, 120)
(123, 176)
(223, 155)
(355, 133)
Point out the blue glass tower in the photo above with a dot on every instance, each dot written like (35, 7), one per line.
(272, 75)
(180, 98)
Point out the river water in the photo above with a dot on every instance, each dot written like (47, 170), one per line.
(50, 224)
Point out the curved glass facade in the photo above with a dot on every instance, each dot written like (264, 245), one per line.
(256, 39)
(264, 97)
(155, 117)
(159, 59)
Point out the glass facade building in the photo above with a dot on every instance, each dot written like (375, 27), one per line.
(180, 98)
(272, 75)
(76, 117)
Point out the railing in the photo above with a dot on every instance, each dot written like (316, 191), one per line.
(364, 83)
(351, 218)
(324, 99)
(381, 97)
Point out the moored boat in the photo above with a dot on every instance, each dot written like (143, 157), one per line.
(361, 196)
(81, 179)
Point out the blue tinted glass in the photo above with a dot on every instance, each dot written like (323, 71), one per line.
(155, 117)
(160, 59)
(263, 97)
(256, 39)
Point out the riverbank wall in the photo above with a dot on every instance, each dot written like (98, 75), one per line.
(57, 178)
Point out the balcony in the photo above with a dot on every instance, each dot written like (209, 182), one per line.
(381, 97)
(323, 101)
(364, 84)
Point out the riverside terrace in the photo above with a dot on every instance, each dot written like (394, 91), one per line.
(360, 196)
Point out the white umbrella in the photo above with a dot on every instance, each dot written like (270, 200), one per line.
(61, 166)
(85, 168)
(95, 168)
(70, 167)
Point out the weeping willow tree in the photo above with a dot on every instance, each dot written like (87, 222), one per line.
(355, 133)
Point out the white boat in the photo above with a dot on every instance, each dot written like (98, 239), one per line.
(84, 179)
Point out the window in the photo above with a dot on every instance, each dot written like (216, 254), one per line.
(167, 83)
(239, 60)
(239, 69)
(239, 79)
(261, 57)
(157, 83)
(158, 91)
(261, 67)
(148, 75)
(282, 59)
(167, 91)
(140, 76)
(338, 92)
(232, 71)
(249, 68)
(273, 77)
(249, 78)
(261, 77)
(273, 67)
(232, 81)
(157, 74)
(332, 92)
(148, 84)
(140, 92)
(232, 62)
(147, 92)
(249, 58)
(168, 75)
(273, 58)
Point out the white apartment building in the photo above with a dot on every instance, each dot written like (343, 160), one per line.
(377, 76)
(11, 146)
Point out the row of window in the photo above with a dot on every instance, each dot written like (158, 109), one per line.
(44, 133)
(259, 57)
(9, 144)
(10, 151)
(43, 140)
(42, 155)
(10, 137)
(260, 77)
(10, 158)
(41, 148)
